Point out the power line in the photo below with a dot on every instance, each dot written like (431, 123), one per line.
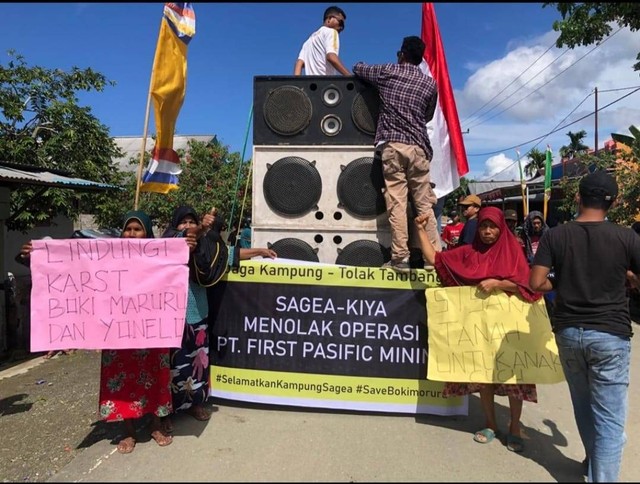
(554, 77)
(505, 88)
(555, 130)
(517, 90)
(619, 89)
(556, 126)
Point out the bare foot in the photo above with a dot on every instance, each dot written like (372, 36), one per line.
(161, 437)
(50, 355)
(126, 445)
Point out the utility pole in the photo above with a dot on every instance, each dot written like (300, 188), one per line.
(596, 115)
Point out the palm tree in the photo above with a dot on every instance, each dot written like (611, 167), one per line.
(576, 146)
(536, 163)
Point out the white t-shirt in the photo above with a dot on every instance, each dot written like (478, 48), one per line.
(314, 52)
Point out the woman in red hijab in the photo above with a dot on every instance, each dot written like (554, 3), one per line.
(494, 261)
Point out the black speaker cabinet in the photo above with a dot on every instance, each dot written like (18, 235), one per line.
(348, 247)
(314, 110)
(318, 188)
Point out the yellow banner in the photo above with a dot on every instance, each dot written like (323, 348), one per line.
(255, 271)
(498, 338)
(334, 391)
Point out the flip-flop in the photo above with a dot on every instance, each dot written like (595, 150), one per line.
(161, 437)
(484, 436)
(515, 443)
(126, 445)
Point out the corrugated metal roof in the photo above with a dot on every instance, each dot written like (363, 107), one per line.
(131, 146)
(12, 176)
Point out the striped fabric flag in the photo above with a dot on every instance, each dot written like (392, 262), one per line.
(168, 86)
(547, 180)
(449, 161)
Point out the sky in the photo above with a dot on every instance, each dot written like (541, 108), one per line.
(511, 86)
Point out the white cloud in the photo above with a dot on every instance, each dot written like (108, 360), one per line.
(533, 114)
(500, 168)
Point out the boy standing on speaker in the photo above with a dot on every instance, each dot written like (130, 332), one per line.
(319, 54)
(408, 101)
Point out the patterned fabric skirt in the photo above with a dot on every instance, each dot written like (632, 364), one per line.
(525, 392)
(134, 383)
(190, 367)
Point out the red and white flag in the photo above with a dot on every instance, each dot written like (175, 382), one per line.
(449, 161)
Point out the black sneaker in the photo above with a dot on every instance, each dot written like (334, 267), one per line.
(398, 266)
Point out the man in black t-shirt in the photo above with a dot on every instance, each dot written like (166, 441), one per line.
(592, 259)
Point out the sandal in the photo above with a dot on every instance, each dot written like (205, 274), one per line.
(126, 445)
(484, 436)
(161, 437)
(515, 443)
(199, 413)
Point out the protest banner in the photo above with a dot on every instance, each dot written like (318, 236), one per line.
(324, 336)
(496, 338)
(108, 293)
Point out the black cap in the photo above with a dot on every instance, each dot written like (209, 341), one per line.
(599, 185)
(510, 214)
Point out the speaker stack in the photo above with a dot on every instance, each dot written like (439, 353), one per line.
(317, 187)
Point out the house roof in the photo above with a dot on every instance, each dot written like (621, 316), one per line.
(131, 146)
(14, 175)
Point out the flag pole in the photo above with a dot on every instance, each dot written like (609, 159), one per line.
(144, 145)
(547, 181)
(523, 185)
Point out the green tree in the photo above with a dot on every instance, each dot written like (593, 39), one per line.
(452, 199)
(209, 178)
(575, 146)
(589, 23)
(536, 162)
(41, 124)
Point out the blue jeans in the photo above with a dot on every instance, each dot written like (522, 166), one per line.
(596, 366)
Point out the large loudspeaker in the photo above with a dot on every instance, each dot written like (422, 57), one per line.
(352, 248)
(318, 187)
(314, 110)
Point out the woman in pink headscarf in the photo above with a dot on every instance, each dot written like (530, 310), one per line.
(494, 261)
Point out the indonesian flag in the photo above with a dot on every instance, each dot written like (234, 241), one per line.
(449, 161)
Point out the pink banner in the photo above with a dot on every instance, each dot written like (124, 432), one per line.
(108, 293)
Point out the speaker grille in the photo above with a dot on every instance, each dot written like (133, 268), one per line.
(360, 187)
(365, 109)
(296, 249)
(363, 253)
(292, 186)
(287, 110)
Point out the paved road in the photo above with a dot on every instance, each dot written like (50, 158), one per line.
(244, 442)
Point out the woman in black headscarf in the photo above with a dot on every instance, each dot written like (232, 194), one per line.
(208, 261)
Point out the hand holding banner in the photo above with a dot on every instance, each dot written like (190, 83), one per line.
(475, 338)
(108, 293)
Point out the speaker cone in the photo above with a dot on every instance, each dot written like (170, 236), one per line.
(287, 110)
(365, 109)
(331, 96)
(363, 253)
(296, 249)
(360, 187)
(331, 125)
(292, 186)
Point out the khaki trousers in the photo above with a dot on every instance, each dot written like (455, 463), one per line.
(406, 172)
